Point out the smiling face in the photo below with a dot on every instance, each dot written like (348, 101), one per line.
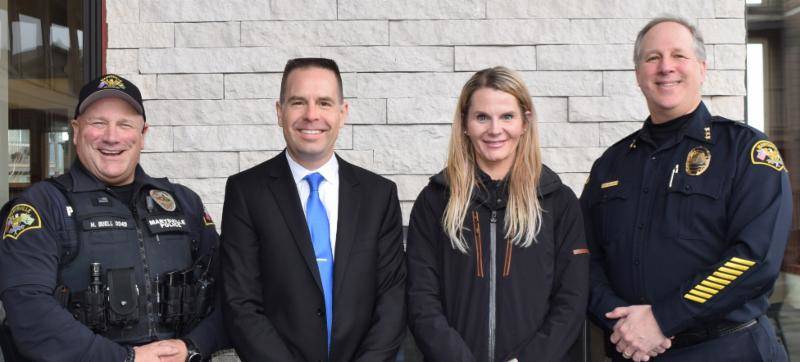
(311, 115)
(108, 137)
(669, 72)
(494, 125)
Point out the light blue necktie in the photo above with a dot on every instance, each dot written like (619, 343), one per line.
(318, 225)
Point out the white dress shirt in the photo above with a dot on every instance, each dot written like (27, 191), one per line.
(328, 190)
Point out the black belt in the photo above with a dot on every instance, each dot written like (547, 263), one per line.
(700, 335)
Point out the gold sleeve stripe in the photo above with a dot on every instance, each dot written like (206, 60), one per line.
(700, 294)
(694, 299)
(730, 271)
(743, 261)
(718, 280)
(705, 289)
(724, 276)
(712, 285)
(736, 266)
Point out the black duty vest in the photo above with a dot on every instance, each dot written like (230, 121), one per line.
(133, 244)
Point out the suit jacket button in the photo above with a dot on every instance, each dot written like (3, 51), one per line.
(319, 312)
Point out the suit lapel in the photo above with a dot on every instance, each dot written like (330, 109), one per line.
(285, 192)
(349, 203)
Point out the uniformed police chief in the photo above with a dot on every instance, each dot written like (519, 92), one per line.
(687, 220)
(106, 263)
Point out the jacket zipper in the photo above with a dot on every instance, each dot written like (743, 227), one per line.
(492, 283)
(151, 328)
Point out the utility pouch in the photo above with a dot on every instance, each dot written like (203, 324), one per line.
(188, 297)
(94, 315)
(173, 295)
(205, 297)
(123, 297)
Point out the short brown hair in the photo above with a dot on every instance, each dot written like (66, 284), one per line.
(301, 63)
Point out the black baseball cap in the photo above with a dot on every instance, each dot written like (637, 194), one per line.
(109, 85)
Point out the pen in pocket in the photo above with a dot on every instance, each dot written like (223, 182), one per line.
(672, 176)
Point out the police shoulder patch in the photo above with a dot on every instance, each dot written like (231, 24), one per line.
(21, 218)
(207, 220)
(766, 153)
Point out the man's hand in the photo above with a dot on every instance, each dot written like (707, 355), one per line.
(636, 333)
(180, 346)
(167, 350)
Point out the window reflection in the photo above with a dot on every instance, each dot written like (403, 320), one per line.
(19, 152)
(26, 34)
(45, 72)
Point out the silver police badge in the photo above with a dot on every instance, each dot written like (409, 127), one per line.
(163, 199)
(697, 161)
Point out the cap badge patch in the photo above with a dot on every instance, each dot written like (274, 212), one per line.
(163, 199)
(21, 218)
(697, 161)
(111, 81)
(766, 153)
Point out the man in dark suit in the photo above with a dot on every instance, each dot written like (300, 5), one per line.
(312, 253)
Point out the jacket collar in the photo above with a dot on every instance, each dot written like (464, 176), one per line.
(548, 181)
(83, 180)
(698, 128)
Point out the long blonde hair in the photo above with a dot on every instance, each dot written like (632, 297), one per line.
(523, 211)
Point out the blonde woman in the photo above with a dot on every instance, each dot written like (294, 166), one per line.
(497, 261)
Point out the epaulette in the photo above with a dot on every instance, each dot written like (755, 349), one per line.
(627, 141)
(739, 125)
(720, 119)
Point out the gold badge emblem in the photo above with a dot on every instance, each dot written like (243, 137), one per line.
(111, 81)
(697, 161)
(21, 218)
(766, 153)
(163, 199)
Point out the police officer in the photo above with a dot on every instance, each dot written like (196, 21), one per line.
(106, 263)
(687, 220)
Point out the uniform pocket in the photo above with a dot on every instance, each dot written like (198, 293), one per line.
(697, 207)
(615, 211)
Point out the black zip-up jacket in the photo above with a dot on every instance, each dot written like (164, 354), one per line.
(499, 301)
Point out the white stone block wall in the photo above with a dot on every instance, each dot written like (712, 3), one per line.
(210, 73)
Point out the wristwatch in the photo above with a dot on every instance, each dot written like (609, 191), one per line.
(192, 353)
(130, 355)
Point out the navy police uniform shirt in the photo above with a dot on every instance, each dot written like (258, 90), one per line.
(34, 233)
(696, 227)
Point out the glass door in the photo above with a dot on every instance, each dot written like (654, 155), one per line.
(50, 50)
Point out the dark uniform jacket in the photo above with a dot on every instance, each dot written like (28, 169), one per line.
(540, 292)
(43, 246)
(696, 228)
